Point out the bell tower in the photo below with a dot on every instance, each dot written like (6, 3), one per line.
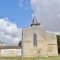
(35, 22)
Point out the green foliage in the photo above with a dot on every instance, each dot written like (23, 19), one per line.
(20, 44)
(58, 40)
(58, 37)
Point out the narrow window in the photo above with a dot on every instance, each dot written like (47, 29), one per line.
(34, 39)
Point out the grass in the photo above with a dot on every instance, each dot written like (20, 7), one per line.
(44, 58)
(10, 58)
(31, 58)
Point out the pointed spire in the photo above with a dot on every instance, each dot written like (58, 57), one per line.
(35, 22)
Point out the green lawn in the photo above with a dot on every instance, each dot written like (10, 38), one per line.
(30, 58)
(10, 58)
(43, 58)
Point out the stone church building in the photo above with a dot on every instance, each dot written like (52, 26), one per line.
(37, 42)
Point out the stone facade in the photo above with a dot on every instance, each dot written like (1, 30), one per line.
(46, 42)
(52, 48)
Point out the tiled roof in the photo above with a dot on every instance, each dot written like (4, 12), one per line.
(10, 47)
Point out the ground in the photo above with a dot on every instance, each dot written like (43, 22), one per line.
(35, 58)
(44, 58)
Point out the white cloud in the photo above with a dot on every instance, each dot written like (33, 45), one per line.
(10, 34)
(24, 4)
(58, 15)
(21, 3)
(57, 33)
(48, 13)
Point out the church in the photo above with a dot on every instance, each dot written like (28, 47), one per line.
(36, 41)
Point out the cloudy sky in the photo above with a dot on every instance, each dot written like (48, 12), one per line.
(14, 15)
(9, 32)
(48, 13)
(18, 14)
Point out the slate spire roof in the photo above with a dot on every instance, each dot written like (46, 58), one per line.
(35, 22)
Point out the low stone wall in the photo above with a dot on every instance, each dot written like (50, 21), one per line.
(10, 52)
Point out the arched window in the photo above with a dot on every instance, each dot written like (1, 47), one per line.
(34, 39)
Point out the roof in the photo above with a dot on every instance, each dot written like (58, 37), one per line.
(35, 22)
(10, 47)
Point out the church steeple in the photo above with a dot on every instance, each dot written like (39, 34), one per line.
(35, 22)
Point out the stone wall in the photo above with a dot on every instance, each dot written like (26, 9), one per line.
(52, 48)
(10, 52)
(46, 42)
(28, 48)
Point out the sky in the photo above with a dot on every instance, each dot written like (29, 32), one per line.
(18, 11)
(18, 14)
(48, 13)
(14, 15)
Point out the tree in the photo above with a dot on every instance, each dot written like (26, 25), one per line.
(38, 52)
(20, 43)
(58, 41)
